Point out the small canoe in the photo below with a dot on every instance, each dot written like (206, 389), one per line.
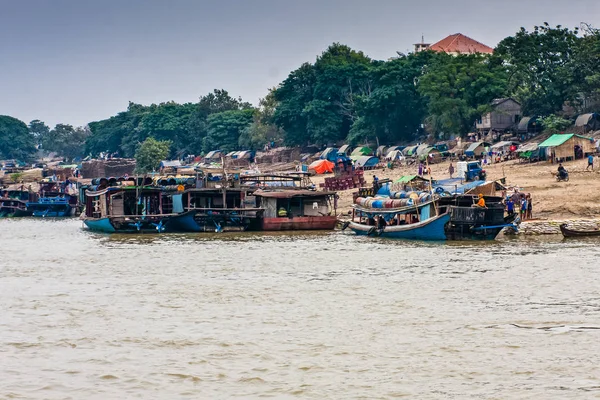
(570, 233)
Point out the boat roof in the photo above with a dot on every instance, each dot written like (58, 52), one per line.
(288, 194)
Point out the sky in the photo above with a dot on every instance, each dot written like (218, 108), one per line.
(77, 61)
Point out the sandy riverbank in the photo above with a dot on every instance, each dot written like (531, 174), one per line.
(578, 198)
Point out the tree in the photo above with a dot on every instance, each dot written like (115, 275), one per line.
(39, 130)
(150, 153)
(262, 130)
(541, 68)
(555, 124)
(224, 129)
(66, 141)
(459, 90)
(15, 140)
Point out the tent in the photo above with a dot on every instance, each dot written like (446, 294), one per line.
(394, 155)
(529, 151)
(459, 149)
(563, 146)
(381, 151)
(322, 166)
(344, 149)
(329, 154)
(366, 162)
(399, 148)
(475, 149)
(589, 122)
(503, 147)
(362, 151)
(409, 151)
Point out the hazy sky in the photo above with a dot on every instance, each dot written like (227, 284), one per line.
(76, 61)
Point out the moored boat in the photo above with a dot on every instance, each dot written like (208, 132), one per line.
(296, 209)
(572, 233)
(398, 219)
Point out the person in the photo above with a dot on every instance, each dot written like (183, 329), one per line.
(590, 162)
(375, 184)
(562, 172)
(510, 206)
(523, 208)
(451, 170)
(481, 202)
(529, 213)
(381, 223)
(420, 168)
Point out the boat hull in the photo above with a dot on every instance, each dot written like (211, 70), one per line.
(432, 229)
(569, 233)
(325, 222)
(135, 224)
(100, 225)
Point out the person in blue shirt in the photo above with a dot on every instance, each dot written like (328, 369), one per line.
(590, 162)
(510, 206)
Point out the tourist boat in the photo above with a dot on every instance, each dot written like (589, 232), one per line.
(474, 223)
(213, 210)
(404, 219)
(296, 209)
(128, 209)
(570, 233)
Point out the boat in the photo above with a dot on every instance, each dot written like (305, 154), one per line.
(404, 219)
(13, 203)
(296, 209)
(53, 202)
(475, 223)
(214, 210)
(571, 233)
(128, 209)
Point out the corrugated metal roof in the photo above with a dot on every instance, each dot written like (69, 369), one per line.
(556, 140)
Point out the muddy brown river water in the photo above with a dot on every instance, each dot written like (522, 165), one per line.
(294, 316)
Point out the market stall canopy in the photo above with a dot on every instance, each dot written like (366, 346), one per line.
(322, 166)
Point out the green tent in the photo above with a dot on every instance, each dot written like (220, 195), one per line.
(362, 151)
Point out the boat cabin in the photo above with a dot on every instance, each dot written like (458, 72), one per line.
(297, 209)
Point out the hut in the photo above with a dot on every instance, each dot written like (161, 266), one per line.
(504, 147)
(564, 147)
(431, 154)
(213, 156)
(459, 149)
(366, 162)
(169, 166)
(588, 122)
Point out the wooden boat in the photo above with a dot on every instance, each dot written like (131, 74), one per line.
(53, 202)
(417, 222)
(128, 209)
(12, 208)
(214, 210)
(474, 223)
(570, 233)
(296, 209)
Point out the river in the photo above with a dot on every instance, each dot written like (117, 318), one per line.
(294, 316)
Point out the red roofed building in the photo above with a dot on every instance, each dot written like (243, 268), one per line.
(456, 44)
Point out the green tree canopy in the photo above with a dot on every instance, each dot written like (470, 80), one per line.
(16, 142)
(66, 141)
(225, 128)
(150, 153)
(39, 130)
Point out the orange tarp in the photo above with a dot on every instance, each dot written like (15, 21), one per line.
(322, 166)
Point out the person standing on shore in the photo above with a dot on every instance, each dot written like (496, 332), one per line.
(420, 168)
(529, 213)
(451, 170)
(510, 206)
(523, 208)
(590, 162)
